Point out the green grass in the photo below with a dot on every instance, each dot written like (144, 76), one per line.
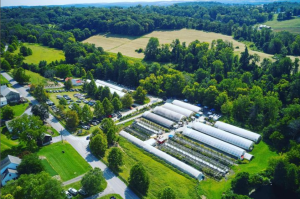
(55, 132)
(6, 143)
(35, 78)
(213, 189)
(160, 174)
(49, 169)
(75, 185)
(292, 25)
(3, 80)
(40, 53)
(117, 196)
(68, 164)
(19, 109)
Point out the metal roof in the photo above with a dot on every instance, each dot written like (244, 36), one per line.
(178, 109)
(9, 159)
(172, 115)
(158, 119)
(186, 105)
(112, 90)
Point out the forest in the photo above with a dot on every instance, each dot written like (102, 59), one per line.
(263, 97)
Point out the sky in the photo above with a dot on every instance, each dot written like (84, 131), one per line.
(63, 2)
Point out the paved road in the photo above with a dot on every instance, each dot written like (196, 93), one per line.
(80, 144)
(129, 119)
(73, 180)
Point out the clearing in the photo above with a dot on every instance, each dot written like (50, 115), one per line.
(292, 25)
(214, 189)
(127, 45)
(40, 53)
(68, 164)
(160, 174)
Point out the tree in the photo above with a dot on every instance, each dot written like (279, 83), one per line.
(115, 159)
(72, 119)
(139, 95)
(92, 181)
(167, 193)
(41, 111)
(98, 145)
(38, 186)
(107, 124)
(139, 179)
(5, 65)
(127, 100)
(63, 101)
(117, 104)
(40, 93)
(68, 84)
(240, 184)
(98, 110)
(111, 135)
(20, 76)
(151, 50)
(30, 164)
(7, 113)
(107, 106)
(106, 93)
(87, 114)
(77, 109)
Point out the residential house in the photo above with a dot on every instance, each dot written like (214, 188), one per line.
(9, 169)
(11, 95)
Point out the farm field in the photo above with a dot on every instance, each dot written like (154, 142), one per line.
(128, 45)
(292, 25)
(68, 164)
(40, 53)
(160, 175)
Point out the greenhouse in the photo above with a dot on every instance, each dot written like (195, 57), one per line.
(215, 143)
(112, 90)
(238, 131)
(178, 109)
(177, 117)
(187, 106)
(223, 135)
(158, 119)
(171, 160)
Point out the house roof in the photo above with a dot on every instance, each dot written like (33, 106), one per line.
(8, 171)
(10, 159)
(3, 99)
(68, 78)
(7, 90)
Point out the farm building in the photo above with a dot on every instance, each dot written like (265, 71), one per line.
(112, 90)
(178, 109)
(9, 169)
(3, 101)
(215, 143)
(171, 160)
(187, 106)
(158, 119)
(11, 95)
(255, 137)
(223, 135)
(177, 117)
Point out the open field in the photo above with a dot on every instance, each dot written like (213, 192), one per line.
(161, 176)
(3, 80)
(213, 189)
(68, 164)
(128, 45)
(49, 169)
(19, 109)
(35, 78)
(292, 25)
(40, 53)
(6, 143)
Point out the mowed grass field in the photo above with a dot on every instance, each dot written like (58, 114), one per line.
(35, 78)
(6, 143)
(40, 53)
(161, 176)
(213, 189)
(68, 165)
(292, 25)
(127, 45)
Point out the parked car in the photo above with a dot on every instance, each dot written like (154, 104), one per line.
(85, 101)
(119, 115)
(58, 96)
(114, 115)
(133, 105)
(86, 127)
(69, 196)
(81, 191)
(73, 191)
(78, 101)
(87, 138)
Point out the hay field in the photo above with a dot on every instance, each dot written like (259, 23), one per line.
(128, 45)
(292, 25)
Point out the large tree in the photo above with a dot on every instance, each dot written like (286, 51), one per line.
(98, 110)
(107, 124)
(167, 193)
(72, 119)
(151, 50)
(7, 113)
(40, 110)
(98, 145)
(5, 65)
(127, 100)
(20, 76)
(68, 84)
(140, 95)
(116, 102)
(92, 182)
(115, 159)
(240, 184)
(40, 93)
(107, 106)
(87, 114)
(30, 164)
(139, 179)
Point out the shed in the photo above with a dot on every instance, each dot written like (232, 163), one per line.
(187, 106)
(172, 115)
(158, 119)
(178, 109)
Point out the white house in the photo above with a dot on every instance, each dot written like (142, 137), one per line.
(9, 169)
(11, 95)
(3, 101)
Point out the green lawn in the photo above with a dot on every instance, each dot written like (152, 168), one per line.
(48, 167)
(68, 164)
(3, 80)
(213, 189)
(292, 25)
(160, 174)
(40, 53)
(35, 78)
(117, 196)
(19, 109)
(6, 143)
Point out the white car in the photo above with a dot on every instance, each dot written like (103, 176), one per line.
(69, 196)
(73, 191)
(82, 192)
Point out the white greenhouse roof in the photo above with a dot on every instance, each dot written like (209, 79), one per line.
(172, 115)
(186, 105)
(255, 137)
(150, 142)
(178, 109)
(171, 160)
(158, 119)
(223, 135)
(109, 85)
(112, 90)
(215, 143)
